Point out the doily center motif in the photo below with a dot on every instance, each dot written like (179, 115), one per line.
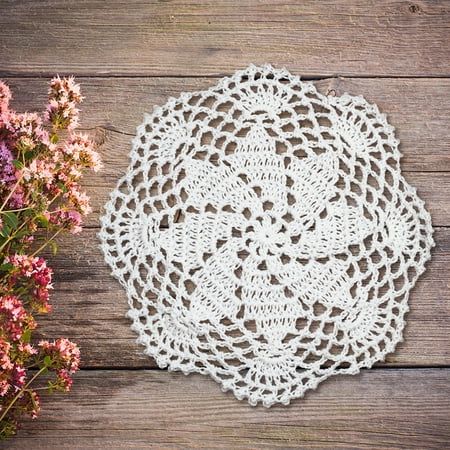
(265, 236)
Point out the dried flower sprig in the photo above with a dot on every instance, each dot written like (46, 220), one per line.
(42, 160)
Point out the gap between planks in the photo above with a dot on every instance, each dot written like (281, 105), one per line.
(89, 303)
(337, 76)
(387, 408)
(113, 107)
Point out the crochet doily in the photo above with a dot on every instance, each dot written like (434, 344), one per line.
(265, 236)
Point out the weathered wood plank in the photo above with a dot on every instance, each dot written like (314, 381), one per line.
(394, 38)
(419, 109)
(378, 409)
(90, 307)
(116, 106)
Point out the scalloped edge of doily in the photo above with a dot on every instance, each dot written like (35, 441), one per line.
(366, 364)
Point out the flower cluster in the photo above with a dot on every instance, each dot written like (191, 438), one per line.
(64, 359)
(42, 161)
(33, 277)
(62, 108)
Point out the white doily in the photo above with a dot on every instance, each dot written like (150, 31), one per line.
(265, 235)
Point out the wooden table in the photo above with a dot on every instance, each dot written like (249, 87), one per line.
(129, 56)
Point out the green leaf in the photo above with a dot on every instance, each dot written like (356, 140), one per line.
(42, 221)
(21, 234)
(11, 219)
(54, 247)
(6, 267)
(47, 360)
(17, 164)
(5, 230)
(26, 336)
(62, 186)
(28, 155)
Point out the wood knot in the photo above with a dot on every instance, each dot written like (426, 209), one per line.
(414, 9)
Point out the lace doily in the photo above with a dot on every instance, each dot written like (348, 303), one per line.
(265, 236)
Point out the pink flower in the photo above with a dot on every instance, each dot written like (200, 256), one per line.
(18, 374)
(41, 273)
(7, 170)
(17, 199)
(5, 96)
(4, 387)
(64, 380)
(36, 404)
(5, 361)
(26, 129)
(22, 262)
(64, 96)
(33, 271)
(71, 220)
(74, 219)
(6, 366)
(33, 267)
(28, 239)
(13, 317)
(80, 148)
(26, 349)
(64, 353)
(79, 199)
(40, 169)
(65, 89)
(13, 377)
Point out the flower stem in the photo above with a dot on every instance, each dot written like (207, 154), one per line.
(11, 237)
(46, 243)
(15, 210)
(19, 394)
(10, 193)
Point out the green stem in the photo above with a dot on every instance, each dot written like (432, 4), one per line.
(19, 394)
(46, 243)
(10, 194)
(15, 210)
(11, 237)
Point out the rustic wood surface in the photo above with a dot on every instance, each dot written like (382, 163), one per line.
(142, 409)
(188, 37)
(90, 307)
(129, 56)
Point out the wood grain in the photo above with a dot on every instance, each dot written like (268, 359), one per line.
(378, 409)
(130, 56)
(90, 307)
(115, 106)
(418, 108)
(355, 37)
(89, 303)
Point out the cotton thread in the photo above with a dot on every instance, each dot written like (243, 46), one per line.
(265, 236)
